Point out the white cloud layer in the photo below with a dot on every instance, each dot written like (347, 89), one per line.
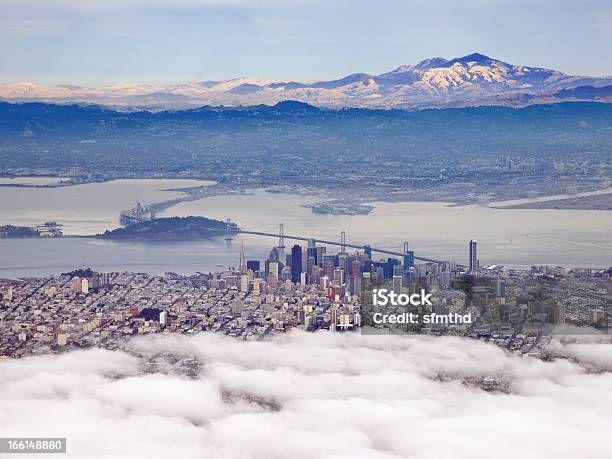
(312, 396)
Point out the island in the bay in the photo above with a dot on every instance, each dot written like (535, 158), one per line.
(171, 229)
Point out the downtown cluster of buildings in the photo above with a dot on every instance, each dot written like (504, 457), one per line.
(306, 288)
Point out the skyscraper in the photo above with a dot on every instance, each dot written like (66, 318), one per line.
(312, 250)
(85, 286)
(408, 257)
(296, 263)
(242, 268)
(253, 265)
(398, 276)
(76, 284)
(473, 256)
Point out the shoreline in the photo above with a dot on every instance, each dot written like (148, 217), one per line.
(599, 201)
(329, 203)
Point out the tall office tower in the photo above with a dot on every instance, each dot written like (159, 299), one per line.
(320, 253)
(85, 286)
(324, 282)
(349, 264)
(354, 284)
(275, 256)
(500, 288)
(304, 260)
(445, 278)
(281, 257)
(342, 261)
(242, 267)
(296, 263)
(338, 278)
(312, 250)
(357, 284)
(328, 267)
(329, 263)
(310, 264)
(286, 274)
(163, 315)
(368, 251)
(379, 273)
(315, 275)
(273, 269)
(356, 268)
(398, 276)
(473, 256)
(76, 284)
(408, 259)
(303, 278)
(253, 265)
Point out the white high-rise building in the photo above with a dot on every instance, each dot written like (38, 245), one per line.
(244, 283)
(84, 286)
(76, 284)
(242, 268)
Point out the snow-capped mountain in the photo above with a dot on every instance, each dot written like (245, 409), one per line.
(474, 79)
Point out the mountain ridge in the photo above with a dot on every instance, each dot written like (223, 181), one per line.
(470, 80)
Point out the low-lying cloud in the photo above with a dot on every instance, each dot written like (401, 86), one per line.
(311, 396)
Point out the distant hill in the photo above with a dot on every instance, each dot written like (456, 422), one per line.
(170, 229)
(471, 80)
(585, 93)
(264, 144)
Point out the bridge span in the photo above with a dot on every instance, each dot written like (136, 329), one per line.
(282, 236)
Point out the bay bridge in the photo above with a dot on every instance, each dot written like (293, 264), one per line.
(141, 213)
(368, 249)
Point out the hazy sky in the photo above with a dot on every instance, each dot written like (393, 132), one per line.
(99, 41)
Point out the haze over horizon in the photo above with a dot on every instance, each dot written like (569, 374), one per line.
(197, 40)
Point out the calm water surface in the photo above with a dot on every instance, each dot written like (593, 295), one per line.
(512, 237)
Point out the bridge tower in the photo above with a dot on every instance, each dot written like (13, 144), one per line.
(343, 242)
(228, 232)
(281, 236)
